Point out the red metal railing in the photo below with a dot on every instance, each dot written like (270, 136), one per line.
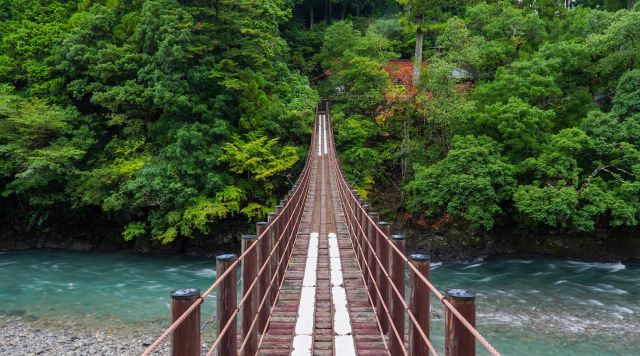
(270, 251)
(382, 260)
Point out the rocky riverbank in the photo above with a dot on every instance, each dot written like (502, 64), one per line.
(19, 335)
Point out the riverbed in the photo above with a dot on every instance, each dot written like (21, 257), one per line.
(525, 306)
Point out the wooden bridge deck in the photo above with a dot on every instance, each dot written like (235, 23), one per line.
(309, 317)
(323, 304)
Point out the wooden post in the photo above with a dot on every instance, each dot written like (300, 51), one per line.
(250, 307)
(359, 238)
(263, 250)
(396, 263)
(185, 340)
(227, 303)
(365, 237)
(279, 242)
(273, 233)
(419, 304)
(382, 250)
(373, 264)
(458, 341)
(364, 222)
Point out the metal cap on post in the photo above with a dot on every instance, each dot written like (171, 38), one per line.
(185, 340)
(419, 304)
(227, 303)
(382, 250)
(250, 307)
(396, 268)
(458, 341)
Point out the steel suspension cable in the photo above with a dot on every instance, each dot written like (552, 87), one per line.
(400, 297)
(342, 182)
(151, 348)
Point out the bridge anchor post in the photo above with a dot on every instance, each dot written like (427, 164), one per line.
(458, 341)
(273, 262)
(373, 264)
(419, 304)
(382, 250)
(262, 257)
(227, 303)
(185, 340)
(396, 262)
(250, 308)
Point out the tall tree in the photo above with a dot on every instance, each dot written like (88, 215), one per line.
(416, 11)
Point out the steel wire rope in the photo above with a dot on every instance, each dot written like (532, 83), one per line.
(299, 202)
(405, 260)
(232, 319)
(297, 212)
(151, 348)
(424, 337)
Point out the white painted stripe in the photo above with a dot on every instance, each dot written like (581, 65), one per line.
(302, 341)
(304, 323)
(302, 345)
(324, 130)
(336, 264)
(319, 135)
(343, 341)
(344, 345)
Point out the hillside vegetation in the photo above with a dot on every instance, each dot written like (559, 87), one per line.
(167, 120)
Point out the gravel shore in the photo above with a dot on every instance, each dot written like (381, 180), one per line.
(21, 336)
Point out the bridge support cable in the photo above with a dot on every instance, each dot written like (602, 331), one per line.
(364, 230)
(380, 258)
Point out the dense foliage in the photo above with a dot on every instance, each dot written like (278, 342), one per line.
(161, 117)
(166, 119)
(525, 113)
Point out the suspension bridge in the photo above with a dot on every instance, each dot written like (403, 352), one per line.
(323, 276)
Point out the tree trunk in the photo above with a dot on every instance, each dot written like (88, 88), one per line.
(343, 11)
(417, 64)
(311, 13)
(629, 4)
(326, 11)
(358, 10)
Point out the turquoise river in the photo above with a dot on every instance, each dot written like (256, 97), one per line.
(525, 306)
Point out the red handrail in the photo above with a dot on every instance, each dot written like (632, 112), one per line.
(350, 203)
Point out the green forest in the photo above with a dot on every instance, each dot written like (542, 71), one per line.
(167, 120)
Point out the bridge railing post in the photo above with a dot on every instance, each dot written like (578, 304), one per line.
(396, 346)
(382, 250)
(419, 304)
(185, 340)
(279, 241)
(273, 263)
(358, 222)
(458, 341)
(373, 265)
(250, 307)
(262, 255)
(364, 222)
(227, 303)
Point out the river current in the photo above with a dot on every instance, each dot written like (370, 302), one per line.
(525, 306)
